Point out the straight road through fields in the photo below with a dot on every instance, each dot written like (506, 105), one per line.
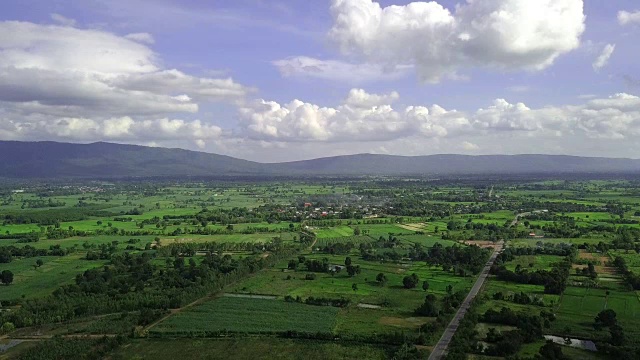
(441, 347)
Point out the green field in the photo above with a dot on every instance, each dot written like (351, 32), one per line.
(198, 300)
(35, 282)
(333, 232)
(248, 348)
(243, 315)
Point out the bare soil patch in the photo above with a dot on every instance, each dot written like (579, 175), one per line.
(410, 322)
(482, 243)
(413, 227)
(598, 258)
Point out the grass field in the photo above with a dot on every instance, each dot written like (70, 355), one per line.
(375, 231)
(533, 242)
(247, 348)
(632, 259)
(333, 232)
(245, 315)
(36, 282)
(539, 262)
(529, 350)
(397, 304)
(579, 306)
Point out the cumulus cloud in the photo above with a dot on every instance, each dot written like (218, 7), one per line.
(302, 66)
(69, 83)
(127, 129)
(603, 59)
(371, 117)
(627, 18)
(468, 146)
(500, 34)
(141, 37)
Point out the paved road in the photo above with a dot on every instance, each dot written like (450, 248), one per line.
(441, 347)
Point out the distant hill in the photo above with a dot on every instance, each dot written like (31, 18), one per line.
(61, 160)
(462, 164)
(52, 159)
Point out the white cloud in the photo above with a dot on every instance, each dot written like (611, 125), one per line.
(501, 34)
(174, 81)
(127, 129)
(61, 82)
(603, 59)
(62, 20)
(626, 17)
(359, 98)
(468, 146)
(370, 117)
(141, 37)
(302, 66)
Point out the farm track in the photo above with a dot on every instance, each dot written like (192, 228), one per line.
(515, 221)
(175, 311)
(202, 299)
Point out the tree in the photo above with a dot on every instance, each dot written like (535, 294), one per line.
(292, 264)
(7, 327)
(356, 231)
(347, 261)
(425, 285)
(411, 281)
(39, 262)
(617, 335)
(354, 287)
(381, 279)
(353, 270)
(551, 351)
(449, 289)
(6, 277)
(429, 307)
(605, 318)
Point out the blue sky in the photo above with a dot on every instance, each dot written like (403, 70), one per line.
(223, 76)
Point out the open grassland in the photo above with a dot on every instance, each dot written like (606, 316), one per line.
(426, 241)
(493, 286)
(244, 315)
(396, 304)
(530, 350)
(631, 258)
(384, 230)
(534, 242)
(33, 282)
(275, 281)
(333, 232)
(579, 306)
(533, 262)
(248, 348)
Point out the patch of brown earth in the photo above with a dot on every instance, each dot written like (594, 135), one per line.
(410, 322)
(413, 227)
(598, 258)
(482, 243)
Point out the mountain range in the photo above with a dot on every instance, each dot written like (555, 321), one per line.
(48, 159)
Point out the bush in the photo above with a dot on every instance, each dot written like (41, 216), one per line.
(310, 277)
